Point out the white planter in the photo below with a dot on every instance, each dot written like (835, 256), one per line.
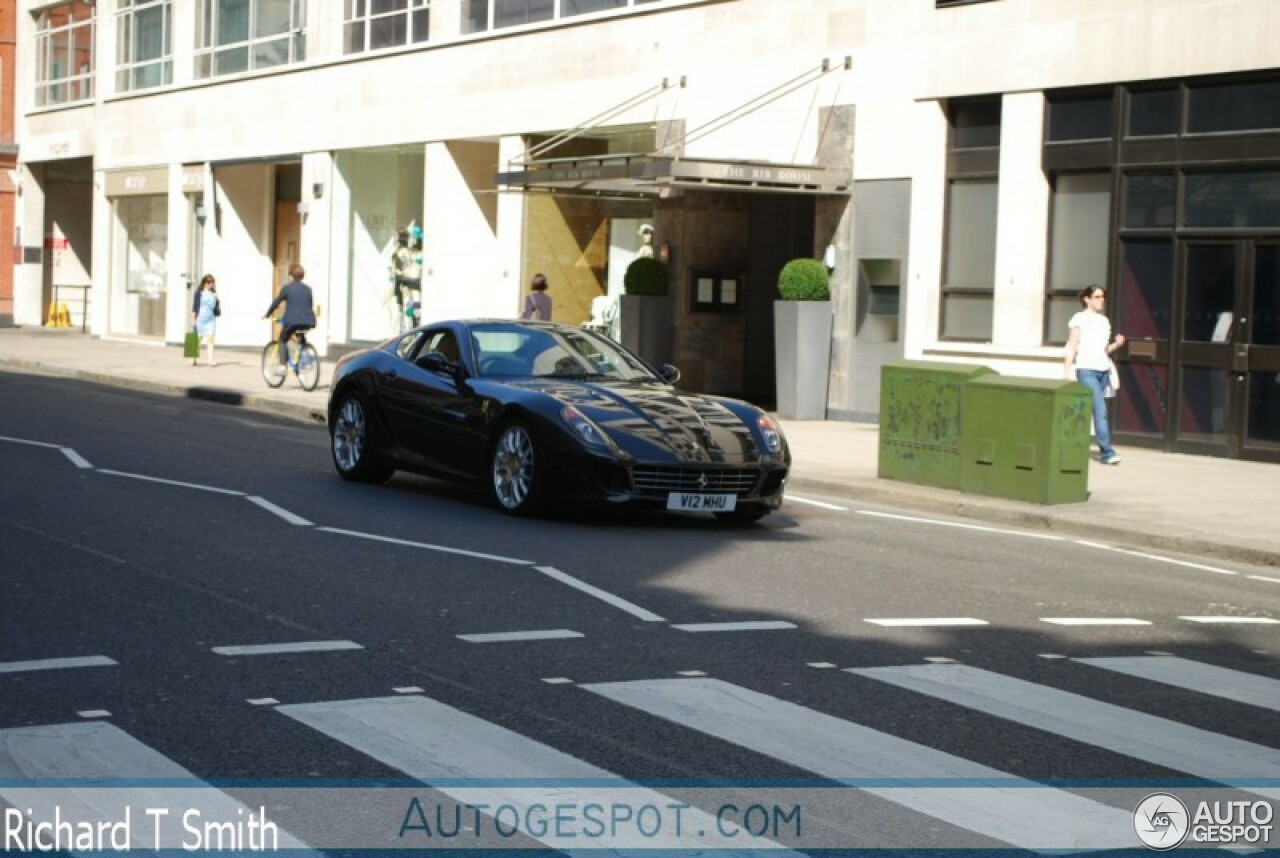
(802, 355)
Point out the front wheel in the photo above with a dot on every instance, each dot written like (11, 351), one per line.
(273, 372)
(308, 367)
(351, 438)
(516, 471)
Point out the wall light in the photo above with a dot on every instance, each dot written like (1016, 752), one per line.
(829, 257)
(664, 252)
(317, 189)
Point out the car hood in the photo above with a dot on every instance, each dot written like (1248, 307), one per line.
(655, 422)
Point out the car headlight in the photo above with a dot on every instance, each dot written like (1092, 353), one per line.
(771, 432)
(586, 430)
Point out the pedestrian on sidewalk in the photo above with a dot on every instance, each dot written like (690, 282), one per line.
(537, 304)
(205, 310)
(1088, 352)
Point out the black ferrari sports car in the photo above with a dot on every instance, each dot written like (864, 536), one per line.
(540, 412)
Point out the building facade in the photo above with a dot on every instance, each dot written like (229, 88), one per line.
(964, 167)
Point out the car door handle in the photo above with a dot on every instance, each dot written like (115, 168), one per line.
(391, 373)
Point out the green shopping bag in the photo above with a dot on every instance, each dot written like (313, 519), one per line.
(191, 345)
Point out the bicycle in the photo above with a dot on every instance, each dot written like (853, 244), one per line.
(301, 357)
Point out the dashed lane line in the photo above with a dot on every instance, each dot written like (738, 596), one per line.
(426, 546)
(56, 663)
(604, 596)
(278, 511)
(289, 647)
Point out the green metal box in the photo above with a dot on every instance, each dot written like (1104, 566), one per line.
(1026, 439)
(920, 407)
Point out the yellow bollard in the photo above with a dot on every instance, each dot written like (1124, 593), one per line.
(64, 316)
(51, 321)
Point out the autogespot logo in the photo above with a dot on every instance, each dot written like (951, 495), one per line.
(1161, 821)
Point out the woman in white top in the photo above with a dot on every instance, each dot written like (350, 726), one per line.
(1089, 348)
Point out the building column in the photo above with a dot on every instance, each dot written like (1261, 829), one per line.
(508, 286)
(1022, 224)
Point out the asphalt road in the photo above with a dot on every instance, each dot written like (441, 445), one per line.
(156, 532)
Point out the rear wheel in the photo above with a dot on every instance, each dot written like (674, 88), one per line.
(273, 372)
(516, 470)
(744, 514)
(308, 367)
(351, 442)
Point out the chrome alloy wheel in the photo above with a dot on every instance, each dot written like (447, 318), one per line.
(513, 463)
(349, 435)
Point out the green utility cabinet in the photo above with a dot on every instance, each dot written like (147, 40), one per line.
(1026, 439)
(920, 406)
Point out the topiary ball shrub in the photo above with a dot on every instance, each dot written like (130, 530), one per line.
(646, 276)
(804, 280)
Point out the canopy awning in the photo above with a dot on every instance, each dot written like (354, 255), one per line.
(648, 175)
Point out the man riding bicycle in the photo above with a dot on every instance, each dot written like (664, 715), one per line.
(299, 312)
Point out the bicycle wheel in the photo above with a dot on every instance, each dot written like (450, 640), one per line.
(308, 367)
(273, 372)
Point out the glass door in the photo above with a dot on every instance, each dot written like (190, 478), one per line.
(1144, 314)
(1228, 354)
(1256, 358)
(1210, 324)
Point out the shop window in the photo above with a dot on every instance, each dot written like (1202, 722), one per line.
(64, 54)
(1226, 107)
(370, 25)
(968, 290)
(975, 123)
(1081, 218)
(1238, 199)
(1154, 112)
(246, 35)
(479, 16)
(569, 8)
(144, 53)
(1080, 117)
(1149, 200)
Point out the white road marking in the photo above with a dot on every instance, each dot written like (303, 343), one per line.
(1124, 731)
(276, 510)
(1007, 532)
(408, 689)
(94, 713)
(510, 637)
(1265, 578)
(262, 701)
(925, 622)
(426, 546)
(1035, 817)
(822, 665)
(939, 659)
(177, 483)
(444, 748)
(1196, 676)
(1174, 562)
(1095, 621)
(24, 441)
(56, 663)
(794, 499)
(76, 459)
(278, 648)
(745, 626)
(691, 673)
(604, 596)
(558, 680)
(1261, 621)
(99, 758)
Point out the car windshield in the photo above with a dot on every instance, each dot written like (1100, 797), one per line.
(516, 351)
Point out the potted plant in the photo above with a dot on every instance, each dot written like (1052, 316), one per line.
(645, 310)
(802, 339)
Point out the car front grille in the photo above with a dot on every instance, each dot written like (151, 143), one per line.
(650, 479)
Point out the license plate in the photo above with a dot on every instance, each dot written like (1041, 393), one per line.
(693, 502)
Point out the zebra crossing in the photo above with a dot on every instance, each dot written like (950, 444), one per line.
(473, 783)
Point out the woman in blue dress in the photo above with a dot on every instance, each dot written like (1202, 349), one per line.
(205, 310)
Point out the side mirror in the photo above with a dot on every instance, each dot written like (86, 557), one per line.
(669, 373)
(436, 362)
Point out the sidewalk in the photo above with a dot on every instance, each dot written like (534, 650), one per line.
(1217, 508)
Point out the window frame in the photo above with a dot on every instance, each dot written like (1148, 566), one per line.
(52, 89)
(127, 66)
(359, 15)
(208, 49)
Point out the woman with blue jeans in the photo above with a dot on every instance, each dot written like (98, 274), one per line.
(1089, 348)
